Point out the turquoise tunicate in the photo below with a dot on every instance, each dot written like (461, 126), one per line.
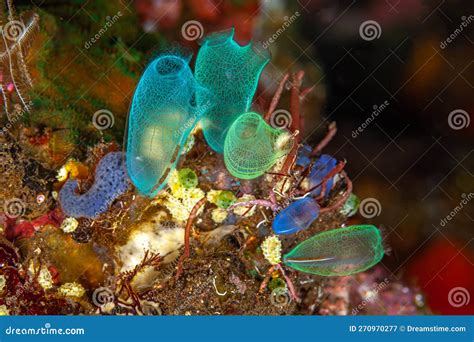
(231, 73)
(162, 115)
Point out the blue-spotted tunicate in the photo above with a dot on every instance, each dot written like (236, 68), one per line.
(110, 182)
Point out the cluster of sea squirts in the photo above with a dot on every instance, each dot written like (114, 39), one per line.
(170, 100)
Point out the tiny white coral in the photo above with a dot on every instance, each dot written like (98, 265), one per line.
(3, 282)
(283, 141)
(180, 206)
(4, 310)
(212, 196)
(69, 225)
(71, 290)
(173, 182)
(45, 279)
(219, 215)
(271, 248)
(62, 174)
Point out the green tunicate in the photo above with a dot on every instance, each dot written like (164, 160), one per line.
(188, 178)
(276, 283)
(338, 252)
(252, 146)
(225, 199)
(231, 73)
(351, 206)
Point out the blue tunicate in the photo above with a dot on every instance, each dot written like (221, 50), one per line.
(110, 182)
(304, 156)
(163, 113)
(320, 169)
(297, 216)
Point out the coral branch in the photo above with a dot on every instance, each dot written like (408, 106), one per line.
(12, 58)
(149, 259)
(276, 97)
(343, 198)
(289, 283)
(265, 281)
(305, 92)
(329, 135)
(261, 202)
(338, 168)
(297, 80)
(187, 235)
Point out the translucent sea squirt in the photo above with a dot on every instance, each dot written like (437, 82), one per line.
(297, 216)
(231, 73)
(304, 156)
(338, 252)
(162, 115)
(252, 146)
(320, 169)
